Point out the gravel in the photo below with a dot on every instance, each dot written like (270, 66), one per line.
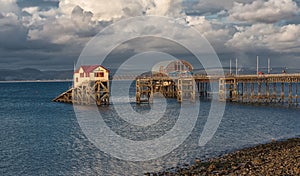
(275, 158)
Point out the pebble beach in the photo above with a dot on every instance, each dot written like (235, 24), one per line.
(274, 158)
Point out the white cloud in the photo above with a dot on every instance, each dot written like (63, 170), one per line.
(267, 36)
(9, 13)
(115, 9)
(77, 18)
(264, 11)
(217, 34)
(8, 6)
(171, 8)
(30, 10)
(199, 22)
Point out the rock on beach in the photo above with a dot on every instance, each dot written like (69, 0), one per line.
(275, 158)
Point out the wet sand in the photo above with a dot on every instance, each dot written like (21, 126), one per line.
(275, 158)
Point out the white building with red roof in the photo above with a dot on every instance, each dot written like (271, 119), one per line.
(87, 73)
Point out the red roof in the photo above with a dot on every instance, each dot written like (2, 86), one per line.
(89, 68)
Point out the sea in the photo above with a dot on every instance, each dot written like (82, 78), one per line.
(41, 137)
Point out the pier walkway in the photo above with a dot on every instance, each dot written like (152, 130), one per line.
(264, 88)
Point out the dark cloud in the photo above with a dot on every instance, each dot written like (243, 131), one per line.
(209, 7)
(39, 59)
(43, 4)
(261, 11)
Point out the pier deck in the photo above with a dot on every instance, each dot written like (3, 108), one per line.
(264, 88)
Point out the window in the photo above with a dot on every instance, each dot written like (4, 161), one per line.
(76, 79)
(99, 74)
(81, 75)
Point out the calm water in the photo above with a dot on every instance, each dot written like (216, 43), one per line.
(40, 137)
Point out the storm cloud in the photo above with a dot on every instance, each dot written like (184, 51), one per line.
(50, 34)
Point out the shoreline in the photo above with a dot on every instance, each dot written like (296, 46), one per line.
(274, 158)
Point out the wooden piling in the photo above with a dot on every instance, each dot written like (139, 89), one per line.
(260, 88)
(92, 92)
(268, 92)
(282, 92)
(290, 97)
(259, 97)
(274, 96)
(296, 96)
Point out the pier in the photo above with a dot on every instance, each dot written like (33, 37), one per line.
(176, 80)
(262, 89)
(259, 89)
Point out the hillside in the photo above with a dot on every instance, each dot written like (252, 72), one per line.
(34, 74)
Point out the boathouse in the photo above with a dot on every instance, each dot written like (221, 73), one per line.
(90, 86)
(89, 73)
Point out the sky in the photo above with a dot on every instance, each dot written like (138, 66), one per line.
(50, 34)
